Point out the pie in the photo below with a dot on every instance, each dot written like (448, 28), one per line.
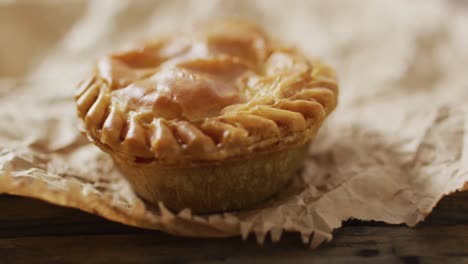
(217, 117)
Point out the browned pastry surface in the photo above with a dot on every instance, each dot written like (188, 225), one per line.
(218, 91)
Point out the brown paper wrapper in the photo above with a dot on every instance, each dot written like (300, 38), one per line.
(396, 145)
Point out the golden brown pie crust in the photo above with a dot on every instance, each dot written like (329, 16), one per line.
(195, 118)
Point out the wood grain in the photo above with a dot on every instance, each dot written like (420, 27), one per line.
(36, 232)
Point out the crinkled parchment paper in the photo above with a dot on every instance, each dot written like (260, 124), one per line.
(396, 145)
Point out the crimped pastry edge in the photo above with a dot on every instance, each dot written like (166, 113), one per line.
(327, 88)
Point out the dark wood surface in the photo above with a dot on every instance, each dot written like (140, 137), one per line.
(36, 232)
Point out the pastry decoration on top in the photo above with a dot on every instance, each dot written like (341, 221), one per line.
(220, 91)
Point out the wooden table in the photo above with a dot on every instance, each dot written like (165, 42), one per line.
(32, 231)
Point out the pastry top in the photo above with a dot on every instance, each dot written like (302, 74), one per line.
(218, 91)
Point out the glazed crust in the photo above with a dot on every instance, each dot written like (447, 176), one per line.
(218, 92)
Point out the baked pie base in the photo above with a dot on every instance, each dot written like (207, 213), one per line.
(214, 186)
